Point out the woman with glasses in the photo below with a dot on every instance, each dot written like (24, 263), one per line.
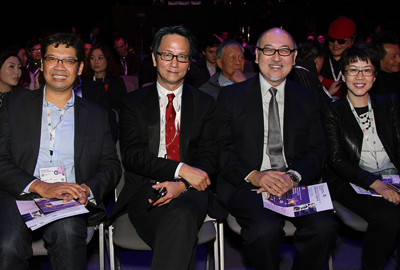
(363, 144)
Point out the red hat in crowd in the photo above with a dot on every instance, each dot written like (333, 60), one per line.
(342, 28)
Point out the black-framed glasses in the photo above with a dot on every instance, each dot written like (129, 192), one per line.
(167, 56)
(339, 41)
(368, 72)
(54, 61)
(271, 51)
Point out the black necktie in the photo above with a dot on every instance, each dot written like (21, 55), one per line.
(274, 146)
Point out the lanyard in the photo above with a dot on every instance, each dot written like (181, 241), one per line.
(52, 131)
(333, 71)
(371, 142)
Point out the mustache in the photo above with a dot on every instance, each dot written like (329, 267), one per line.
(275, 64)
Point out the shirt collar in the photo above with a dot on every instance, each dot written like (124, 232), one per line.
(224, 81)
(162, 92)
(265, 86)
(70, 102)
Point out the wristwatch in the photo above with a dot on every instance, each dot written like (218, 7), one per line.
(294, 179)
(187, 185)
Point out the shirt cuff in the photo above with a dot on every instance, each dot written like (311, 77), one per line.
(26, 190)
(177, 171)
(296, 173)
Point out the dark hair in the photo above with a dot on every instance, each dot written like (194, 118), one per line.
(112, 70)
(360, 52)
(382, 38)
(120, 37)
(307, 52)
(175, 30)
(4, 55)
(69, 40)
(210, 41)
(31, 43)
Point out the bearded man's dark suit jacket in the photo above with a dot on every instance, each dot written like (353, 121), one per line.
(140, 138)
(96, 160)
(240, 151)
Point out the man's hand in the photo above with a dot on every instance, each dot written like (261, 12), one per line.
(335, 86)
(60, 190)
(388, 194)
(274, 182)
(173, 191)
(237, 76)
(195, 177)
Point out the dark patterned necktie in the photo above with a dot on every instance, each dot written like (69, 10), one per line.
(274, 146)
(171, 134)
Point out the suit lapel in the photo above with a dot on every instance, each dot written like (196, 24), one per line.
(291, 111)
(153, 113)
(186, 121)
(81, 123)
(254, 110)
(35, 122)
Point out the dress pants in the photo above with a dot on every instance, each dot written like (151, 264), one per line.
(383, 219)
(64, 239)
(262, 232)
(170, 230)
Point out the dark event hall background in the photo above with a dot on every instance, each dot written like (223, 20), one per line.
(134, 19)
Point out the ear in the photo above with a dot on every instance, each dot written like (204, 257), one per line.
(41, 64)
(154, 59)
(294, 57)
(343, 78)
(256, 60)
(219, 63)
(80, 69)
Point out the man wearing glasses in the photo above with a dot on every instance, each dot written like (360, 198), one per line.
(42, 132)
(341, 35)
(168, 145)
(271, 139)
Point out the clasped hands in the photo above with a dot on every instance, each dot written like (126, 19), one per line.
(197, 178)
(273, 182)
(61, 190)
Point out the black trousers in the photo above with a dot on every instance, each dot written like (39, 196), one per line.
(65, 239)
(262, 232)
(383, 219)
(170, 230)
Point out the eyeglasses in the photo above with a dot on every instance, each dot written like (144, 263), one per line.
(366, 72)
(66, 62)
(271, 51)
(339, 41)
(166, 56)
(36, 50)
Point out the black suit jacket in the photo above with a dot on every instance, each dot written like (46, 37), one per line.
(345, 138)
(96, 160)
(241, 134)
(140, 137)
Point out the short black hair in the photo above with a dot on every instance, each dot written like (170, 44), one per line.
(360, 52)
(175, 30)
(4, 55)
(210, 41)
(69, 40)
(382, 38)
(307, 52)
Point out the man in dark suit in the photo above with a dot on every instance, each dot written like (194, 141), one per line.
(47, 128)
(271, 139)
(168, 140)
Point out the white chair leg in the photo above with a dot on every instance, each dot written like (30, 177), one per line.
(330, 261)
(101, 245)
(111, 247)
(216, 247)
(221, 245)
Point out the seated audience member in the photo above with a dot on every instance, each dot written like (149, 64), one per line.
(230, 60)
(388, 78)
(262, 149)
(33, 48)
(128, 62)
(101, 66)
(10, 74)
(341, 35)
(81, 144)
(201, 71)
(168, 140)
(363, 139)
(27, 78)
(309, 62)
